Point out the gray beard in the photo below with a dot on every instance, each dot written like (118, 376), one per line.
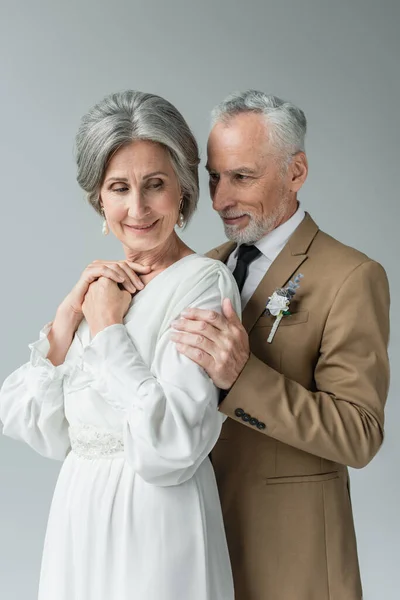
(257, 227)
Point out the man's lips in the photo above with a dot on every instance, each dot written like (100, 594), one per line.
(233, 220)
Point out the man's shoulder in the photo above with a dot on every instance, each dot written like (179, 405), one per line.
(221, 252)
(324, 242)
(332, 263)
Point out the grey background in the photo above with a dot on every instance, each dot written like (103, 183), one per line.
(337, 60)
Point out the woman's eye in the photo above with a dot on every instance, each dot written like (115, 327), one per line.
(155, 185)
(120, 189)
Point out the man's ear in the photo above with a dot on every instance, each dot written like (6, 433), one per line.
(298, 171)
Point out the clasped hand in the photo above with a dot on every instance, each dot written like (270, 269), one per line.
(104, 292)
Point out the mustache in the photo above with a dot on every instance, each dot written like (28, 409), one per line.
(233, 214)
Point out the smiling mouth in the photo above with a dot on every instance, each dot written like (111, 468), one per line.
(233, 220)
(144, 228)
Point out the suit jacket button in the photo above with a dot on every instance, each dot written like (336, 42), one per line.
(246, 417)
(261, 425)
(254, 422)
(239, 412)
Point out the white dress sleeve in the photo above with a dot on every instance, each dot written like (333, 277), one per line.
(32, 401)
(171, 420)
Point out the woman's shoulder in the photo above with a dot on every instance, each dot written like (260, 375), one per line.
(203, 269)
(199, 275)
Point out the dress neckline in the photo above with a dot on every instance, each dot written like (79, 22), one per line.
(140, 295)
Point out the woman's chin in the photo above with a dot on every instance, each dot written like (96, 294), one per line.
(146, 244)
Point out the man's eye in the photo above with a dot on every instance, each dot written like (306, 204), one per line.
(241, 177)
(213, 177)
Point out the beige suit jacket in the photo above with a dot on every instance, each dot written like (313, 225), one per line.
(319, 388)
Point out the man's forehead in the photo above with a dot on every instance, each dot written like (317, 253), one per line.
(243, 124)
(238, 138)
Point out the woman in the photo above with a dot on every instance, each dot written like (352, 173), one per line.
(135, 513)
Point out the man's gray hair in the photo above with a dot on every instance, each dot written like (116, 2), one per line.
(124, 117)
(288, 122)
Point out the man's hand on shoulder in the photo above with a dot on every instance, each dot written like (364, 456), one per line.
(217, 342)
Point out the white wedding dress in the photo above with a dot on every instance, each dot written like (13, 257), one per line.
(135, 513)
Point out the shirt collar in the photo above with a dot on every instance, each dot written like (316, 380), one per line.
(271, 244)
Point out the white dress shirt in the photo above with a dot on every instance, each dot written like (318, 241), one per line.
(270, 246)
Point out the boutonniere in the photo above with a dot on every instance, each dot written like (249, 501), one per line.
(279, 303)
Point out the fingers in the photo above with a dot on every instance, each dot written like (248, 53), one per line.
(198, 356)
(208, 316)
(122, 272)
(132, 277)
(139, 268)
(201, 328)
(229, 312)
(113, 272)
(198, 342)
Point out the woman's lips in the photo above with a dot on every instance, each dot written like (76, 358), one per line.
(142, 229)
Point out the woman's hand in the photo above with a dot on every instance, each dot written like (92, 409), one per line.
(105, 304)
(121, 272)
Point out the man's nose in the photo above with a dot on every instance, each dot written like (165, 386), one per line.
(221, 197)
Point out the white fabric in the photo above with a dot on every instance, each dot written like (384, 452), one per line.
(270, 246)
(135, 513)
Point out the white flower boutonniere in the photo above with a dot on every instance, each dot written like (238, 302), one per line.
(279, 302)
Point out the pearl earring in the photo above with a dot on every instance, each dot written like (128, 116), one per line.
(105, 230)
(181, 218)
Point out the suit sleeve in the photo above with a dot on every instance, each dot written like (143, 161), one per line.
(343, 420)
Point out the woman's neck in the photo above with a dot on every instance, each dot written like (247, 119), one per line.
(161, 257)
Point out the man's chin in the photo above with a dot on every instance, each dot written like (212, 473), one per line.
(239, 235)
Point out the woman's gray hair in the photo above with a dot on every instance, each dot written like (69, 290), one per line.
(288, 122)
(124, 117)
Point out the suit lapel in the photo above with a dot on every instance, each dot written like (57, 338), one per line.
(281, 270)
(277, 276)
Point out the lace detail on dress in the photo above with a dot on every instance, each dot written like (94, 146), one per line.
(89, 442)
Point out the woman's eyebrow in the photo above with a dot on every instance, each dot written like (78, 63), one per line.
(154, 174)
(123, 179)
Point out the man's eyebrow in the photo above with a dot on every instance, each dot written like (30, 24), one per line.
(244, 170)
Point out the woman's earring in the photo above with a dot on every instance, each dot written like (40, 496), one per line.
(105, 230)
(181, 218)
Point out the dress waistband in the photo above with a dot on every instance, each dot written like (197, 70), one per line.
(90, 442)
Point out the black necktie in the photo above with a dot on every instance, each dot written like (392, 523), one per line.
(246, 255)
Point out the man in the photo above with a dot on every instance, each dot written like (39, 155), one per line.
(305, 393)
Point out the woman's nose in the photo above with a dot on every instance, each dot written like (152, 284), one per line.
(138, 209)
